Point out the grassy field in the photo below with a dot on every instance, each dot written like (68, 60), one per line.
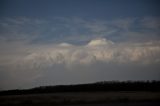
(79, 98)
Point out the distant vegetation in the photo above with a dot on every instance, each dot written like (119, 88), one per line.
(153, 86)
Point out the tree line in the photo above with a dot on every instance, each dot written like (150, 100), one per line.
(153, 86)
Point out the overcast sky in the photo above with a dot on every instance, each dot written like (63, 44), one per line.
(52, 42)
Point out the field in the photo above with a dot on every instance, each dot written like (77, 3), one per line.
(75, 98)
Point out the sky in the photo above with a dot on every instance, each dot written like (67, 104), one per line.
(59, 42)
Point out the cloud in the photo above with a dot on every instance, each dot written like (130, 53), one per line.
(64, 63)
(61, 29)
(123, 24)
(37, 52)
(151, 22)
(98, 50)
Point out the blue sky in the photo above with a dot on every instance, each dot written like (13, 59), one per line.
(89, 9)
(50, 42)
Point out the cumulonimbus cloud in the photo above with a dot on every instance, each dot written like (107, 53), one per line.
(33, 49)
(98, 50)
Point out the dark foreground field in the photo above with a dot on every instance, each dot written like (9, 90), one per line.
(119, 98)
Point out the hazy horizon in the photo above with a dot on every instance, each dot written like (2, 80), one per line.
(55, 42)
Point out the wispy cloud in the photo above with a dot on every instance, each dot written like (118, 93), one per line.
(77, 30)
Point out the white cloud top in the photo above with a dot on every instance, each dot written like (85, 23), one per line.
(100, 42)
